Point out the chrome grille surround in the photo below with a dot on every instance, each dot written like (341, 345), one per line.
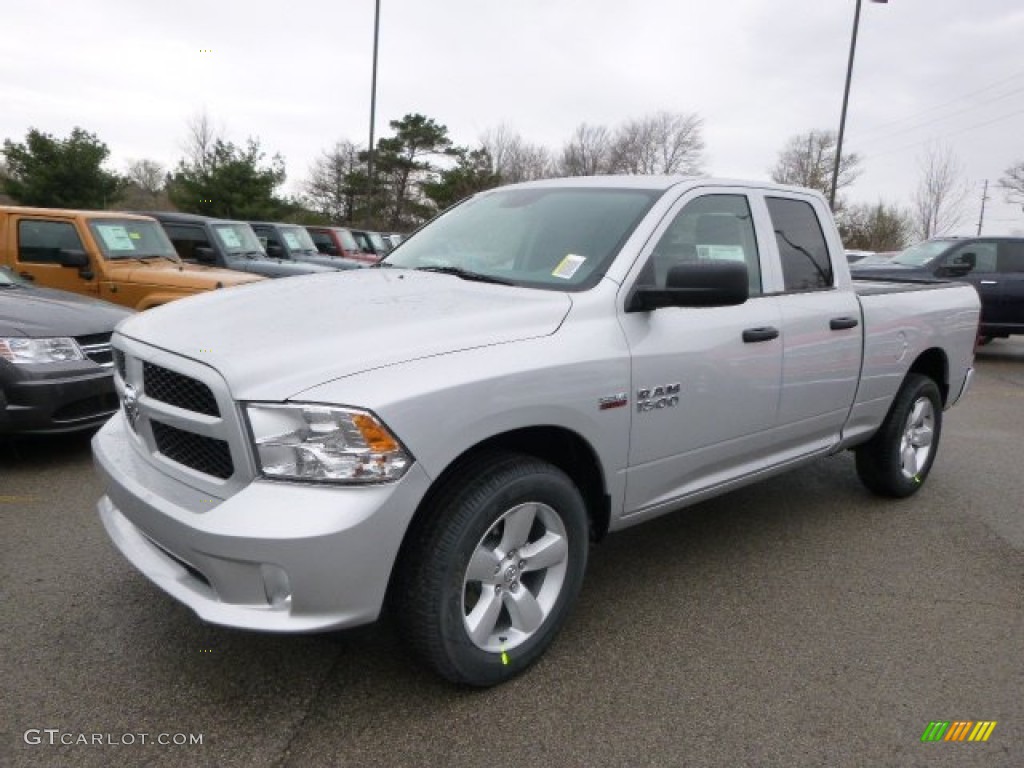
(208, 452)
(96, 347)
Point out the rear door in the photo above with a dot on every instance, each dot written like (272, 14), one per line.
(705, 379)
(821, 326)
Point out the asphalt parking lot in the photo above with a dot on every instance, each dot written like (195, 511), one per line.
(797, 622)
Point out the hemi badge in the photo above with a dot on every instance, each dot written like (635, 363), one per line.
(615, 401)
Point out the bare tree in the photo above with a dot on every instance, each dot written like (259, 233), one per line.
(808, 160)
(1013, 183)
(879, 227)
(148, 176)
(515, 159)
(665, 142)
(587, 153)
(331, 186)
(942, 190)
(200, 140)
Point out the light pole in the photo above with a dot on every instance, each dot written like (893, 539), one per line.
(846, 99)
(373, 105)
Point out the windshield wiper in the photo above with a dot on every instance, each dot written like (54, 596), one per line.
(466, 274)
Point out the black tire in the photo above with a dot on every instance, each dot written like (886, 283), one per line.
(882, 464)
(434, 585)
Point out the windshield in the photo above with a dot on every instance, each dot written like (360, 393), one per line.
(920, 254)
(553, 238)
(347, 241)
(378, 242)
(131, 239)
(237, 237)
(298, 239)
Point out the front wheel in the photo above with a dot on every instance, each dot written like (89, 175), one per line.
(489, 581)
(897, 460)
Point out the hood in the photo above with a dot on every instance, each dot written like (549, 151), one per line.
(274, 340)
(37, 312)
(165, 273)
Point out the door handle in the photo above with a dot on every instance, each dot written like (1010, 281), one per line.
(767, 333)
(990, 282)
(843, 323)
(27, 276)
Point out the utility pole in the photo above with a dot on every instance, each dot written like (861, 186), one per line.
(984, 197)
(846, 100)
(373, 110)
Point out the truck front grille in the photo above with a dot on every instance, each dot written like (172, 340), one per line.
(178, 390)
(96, 347)
(203, 454)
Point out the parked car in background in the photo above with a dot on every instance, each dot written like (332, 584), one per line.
(292, 241)
(394, 240)
(993, 265)
(339, 241)
(56, 365)
(120, 257)
(372, 242)
(227, 244)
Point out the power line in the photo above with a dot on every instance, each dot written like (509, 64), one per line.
(943, 136)
(915, 115)
(940, 118)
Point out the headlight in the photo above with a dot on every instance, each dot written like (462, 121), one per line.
(29, 351)
(326, 444)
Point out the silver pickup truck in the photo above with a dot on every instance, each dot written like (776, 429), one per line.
(541, 365)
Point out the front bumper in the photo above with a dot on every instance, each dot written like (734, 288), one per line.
(276, 556)
(69, 402)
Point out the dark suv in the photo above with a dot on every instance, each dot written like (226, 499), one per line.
(223, 243)
(56, 365)
(994, 265)
(292, 241)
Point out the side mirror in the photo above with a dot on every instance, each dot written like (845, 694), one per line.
(709, 283)
(204, 254)
(68, 257)
(274, 250)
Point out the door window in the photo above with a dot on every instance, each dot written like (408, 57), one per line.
(1011, 256)
(984, 257)
(40, 242)
(806, 265)
(185, 238)
(712, 227)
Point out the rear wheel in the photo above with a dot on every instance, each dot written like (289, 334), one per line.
(897, 460)
(489, 581)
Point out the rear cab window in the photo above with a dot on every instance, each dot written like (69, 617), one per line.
(803, 251)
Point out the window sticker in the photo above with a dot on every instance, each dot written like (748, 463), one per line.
(116, 237)
(229, 237)
(293, 241)
(568, 266)
(721, 252)
(135, 235)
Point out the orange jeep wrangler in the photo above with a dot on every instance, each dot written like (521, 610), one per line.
(120, 257)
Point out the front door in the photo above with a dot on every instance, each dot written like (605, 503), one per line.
(38, 247)
(705, 380)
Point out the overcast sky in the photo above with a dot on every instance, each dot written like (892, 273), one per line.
(296, 74)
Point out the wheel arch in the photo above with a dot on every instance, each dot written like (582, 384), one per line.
(934, 364)
(559, 446)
